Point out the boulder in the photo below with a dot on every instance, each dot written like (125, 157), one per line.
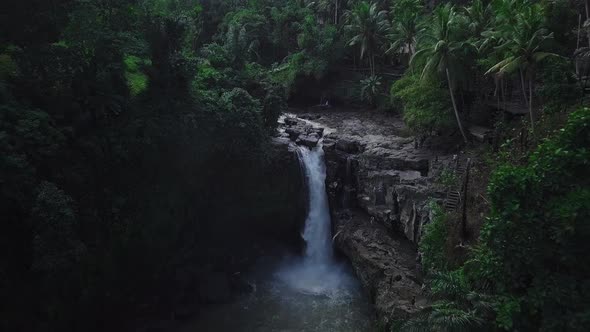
(318, 131)
(290, 121)
(309, 140)
(294, 132)
(348, 146)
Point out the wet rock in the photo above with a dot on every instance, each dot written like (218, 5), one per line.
(302, 133)
(384, 264)
(293, 132)
(390, 178)
(348, 146)
(290, 121)
(310, 116)
(318, 131)
(310, 140)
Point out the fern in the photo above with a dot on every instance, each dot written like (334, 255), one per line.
(442, 316)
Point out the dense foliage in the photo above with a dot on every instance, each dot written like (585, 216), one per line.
(125, 129)
(134, 132)
(529, 269)
(533, 246)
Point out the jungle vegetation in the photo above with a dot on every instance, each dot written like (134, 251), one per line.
(101, 101)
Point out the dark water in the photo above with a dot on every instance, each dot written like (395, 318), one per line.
(277, 304)
(312, 293)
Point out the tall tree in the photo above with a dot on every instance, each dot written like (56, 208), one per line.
(368, 26)
(524, 49)
(405, 27)
(443, 50)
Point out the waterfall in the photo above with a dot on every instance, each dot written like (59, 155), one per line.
(316, 272)
(317, 232)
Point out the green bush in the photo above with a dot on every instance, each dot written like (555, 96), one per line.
(370, 89)
(534, 245)
(426, 106)
(434, 241)
(137, 81)
(560, 90)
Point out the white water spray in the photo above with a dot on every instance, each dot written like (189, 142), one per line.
(316, 272)
(317, 233)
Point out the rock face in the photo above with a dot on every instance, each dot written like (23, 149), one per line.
(384, 263)
(379, 186)
(373, 165)
(302, 132)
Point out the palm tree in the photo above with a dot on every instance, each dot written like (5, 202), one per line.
(403, 35)
(524, 51)
(368, 26)
(480, 17)
(329, 9)
(443, 50)
(405, 27)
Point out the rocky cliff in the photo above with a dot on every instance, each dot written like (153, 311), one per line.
(379, 185)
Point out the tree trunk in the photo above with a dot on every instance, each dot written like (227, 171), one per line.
(455, 106)
(522, 83)
(336, 14)
(579, 30)
(531, 78)
(503, 90)
(464, 207)
(497, 93)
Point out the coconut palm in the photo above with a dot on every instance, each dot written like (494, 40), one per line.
(524, 50)
(405, 27)
(480, 17)
(368, 26)
(329, 9)
(443, 50)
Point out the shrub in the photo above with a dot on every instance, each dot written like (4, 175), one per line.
(560, 90)
(434, 241)
(534, 244)
(370, 89)
(426, 106)
(137, 81)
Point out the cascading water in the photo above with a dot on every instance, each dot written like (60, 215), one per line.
(316, 272)
(313, 292)
(317, 233)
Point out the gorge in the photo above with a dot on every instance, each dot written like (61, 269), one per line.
(312, 292)
(315, 290)
(294, 165)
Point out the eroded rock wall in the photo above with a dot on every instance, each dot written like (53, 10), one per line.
(379, 186)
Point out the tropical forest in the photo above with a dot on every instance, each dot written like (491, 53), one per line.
(294, 165)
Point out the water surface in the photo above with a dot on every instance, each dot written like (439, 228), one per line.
(276, 306)
(310, 293)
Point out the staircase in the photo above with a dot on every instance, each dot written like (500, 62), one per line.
(455, 192)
